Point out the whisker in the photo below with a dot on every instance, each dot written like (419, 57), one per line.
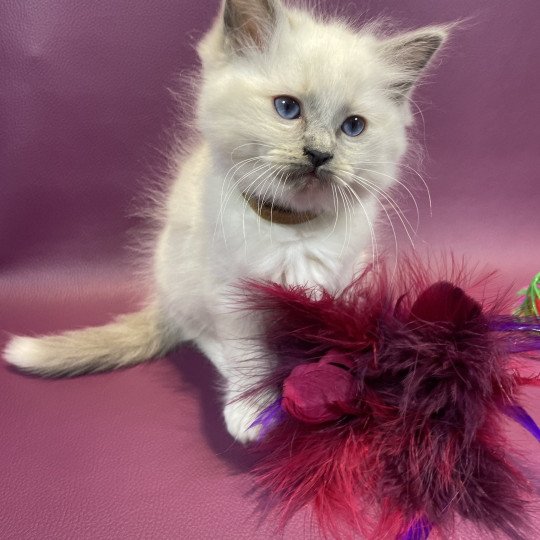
(226, 180)
(374, 245)
(262, 199)
(249, 192)
(336, 210)
(346, 205)
(407, 226)
(404, 221)
(281, 172)
(390, 222)
(406, 189)
(237, 182)
(231, 191)
(258, 143)
(412, 169)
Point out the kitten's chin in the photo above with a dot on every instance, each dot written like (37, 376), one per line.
(311, 191)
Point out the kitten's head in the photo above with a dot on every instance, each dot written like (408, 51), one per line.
(303, 109)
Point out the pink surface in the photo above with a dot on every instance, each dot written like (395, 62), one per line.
(84, 115)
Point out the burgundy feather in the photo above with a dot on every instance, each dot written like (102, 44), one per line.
(393, 397)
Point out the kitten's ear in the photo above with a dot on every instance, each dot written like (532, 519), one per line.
(249, 23)
(411, 53)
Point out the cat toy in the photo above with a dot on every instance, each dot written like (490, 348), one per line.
(392, 399)
(530, 307)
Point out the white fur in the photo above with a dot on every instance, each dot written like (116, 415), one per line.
(22, 352)
(212, 239)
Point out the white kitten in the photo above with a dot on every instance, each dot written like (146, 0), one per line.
(303, 123)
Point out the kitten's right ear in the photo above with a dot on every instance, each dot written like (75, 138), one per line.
(411, 53)
(242, 26)
(249, 23)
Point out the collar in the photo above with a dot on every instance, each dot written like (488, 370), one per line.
(276, 214)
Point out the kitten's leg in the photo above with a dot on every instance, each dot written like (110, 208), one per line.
(242, 370)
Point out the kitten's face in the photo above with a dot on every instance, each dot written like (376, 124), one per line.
(310, 114)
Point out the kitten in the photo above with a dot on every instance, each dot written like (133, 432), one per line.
(302, 123)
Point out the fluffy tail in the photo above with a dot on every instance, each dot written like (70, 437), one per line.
(128, 340)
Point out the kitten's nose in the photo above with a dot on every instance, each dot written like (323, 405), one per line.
(317, 158)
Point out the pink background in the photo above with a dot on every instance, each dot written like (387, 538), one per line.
(85, 113)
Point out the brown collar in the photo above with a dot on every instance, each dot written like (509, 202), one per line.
(276, 214)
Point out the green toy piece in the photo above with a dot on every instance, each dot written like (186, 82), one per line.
(530, 307)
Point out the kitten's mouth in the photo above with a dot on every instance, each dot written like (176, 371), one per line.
(307, 178)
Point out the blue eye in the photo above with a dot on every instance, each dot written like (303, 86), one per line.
(353, 126)
(287, 107)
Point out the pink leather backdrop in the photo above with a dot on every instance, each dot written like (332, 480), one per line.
(85, 112)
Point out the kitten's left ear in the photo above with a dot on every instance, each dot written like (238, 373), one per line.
(411, 53)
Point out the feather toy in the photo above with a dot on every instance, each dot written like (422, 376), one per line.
(392, 399)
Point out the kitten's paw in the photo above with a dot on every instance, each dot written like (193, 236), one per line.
(239, 418)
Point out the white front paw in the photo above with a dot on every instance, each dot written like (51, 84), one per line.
(240, 416)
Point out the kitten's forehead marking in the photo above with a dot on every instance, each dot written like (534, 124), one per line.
(322, 107)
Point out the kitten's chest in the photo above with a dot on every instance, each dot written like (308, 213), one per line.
(323, 252)
(301, 264)
(306, 262)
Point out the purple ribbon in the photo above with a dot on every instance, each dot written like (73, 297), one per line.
(419, 530)
(523, 418)
(268, 417)
(524, 333)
